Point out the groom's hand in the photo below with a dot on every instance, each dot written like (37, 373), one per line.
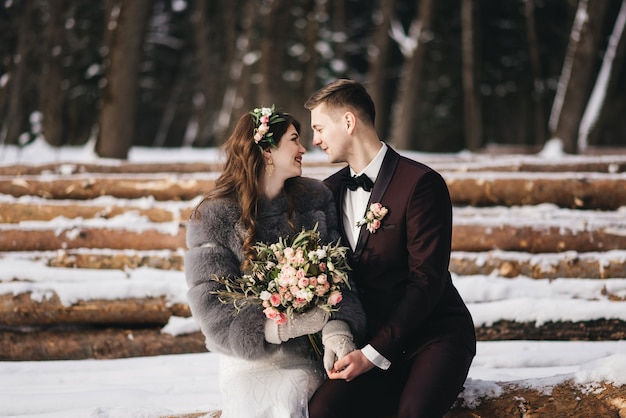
(351, 366)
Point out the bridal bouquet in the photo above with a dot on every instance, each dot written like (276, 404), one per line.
(290, 277)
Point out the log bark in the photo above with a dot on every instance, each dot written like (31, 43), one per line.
(530, 165)
(550, 266)
(604, 164)
(66, 169)
(526, 238)
(597, 191)
(79, 237)
(564, 400)
(21, 310)
(120, 261)
(604, 192)
(94, 343)
(596, 330)
(465, 237)
(22, 212)
(91, 187)
(567, 399)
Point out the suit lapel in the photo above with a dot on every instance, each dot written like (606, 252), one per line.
(340, 195)
(385, 175)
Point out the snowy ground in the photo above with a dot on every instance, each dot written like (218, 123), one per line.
(159, 386)
(175, 384)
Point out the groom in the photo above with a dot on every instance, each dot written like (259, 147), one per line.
(396, 214)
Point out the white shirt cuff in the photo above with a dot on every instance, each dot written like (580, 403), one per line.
(374, 356)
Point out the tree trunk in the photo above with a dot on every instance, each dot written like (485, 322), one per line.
(407, 99)
(19, 86)
(578, 73)
(126, 26)
(471, 100)
(237, 84)
(379, 62)
(271, 65)
(607, 77)
(536, 75)
(214, 37)
(51, 96)
(203, 52)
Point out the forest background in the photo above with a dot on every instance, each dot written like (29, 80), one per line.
(446, 75)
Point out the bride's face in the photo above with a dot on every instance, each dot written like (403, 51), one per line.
(287, 158)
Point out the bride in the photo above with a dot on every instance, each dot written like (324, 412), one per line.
(266, 369)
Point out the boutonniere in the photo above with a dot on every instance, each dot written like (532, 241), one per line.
(373, 217)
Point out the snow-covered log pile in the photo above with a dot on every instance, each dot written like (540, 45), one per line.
(91, 254)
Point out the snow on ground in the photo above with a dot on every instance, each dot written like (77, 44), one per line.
(175, 384)
(151, 387)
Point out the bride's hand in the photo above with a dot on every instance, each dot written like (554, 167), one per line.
(350, 366)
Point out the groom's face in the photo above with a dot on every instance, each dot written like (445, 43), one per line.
(330, 133)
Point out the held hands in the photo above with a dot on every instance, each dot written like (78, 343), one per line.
(337, 340)
(351, 366)
(309, 322)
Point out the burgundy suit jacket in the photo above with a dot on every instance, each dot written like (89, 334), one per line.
(401, 270)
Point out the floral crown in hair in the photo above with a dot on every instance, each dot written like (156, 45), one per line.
(263, 117)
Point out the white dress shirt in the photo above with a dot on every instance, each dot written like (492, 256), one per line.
(354, 208)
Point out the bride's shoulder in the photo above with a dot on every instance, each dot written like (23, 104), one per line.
(311, 191)
(216, 211)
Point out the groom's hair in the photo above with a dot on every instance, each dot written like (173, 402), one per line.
(345, 94)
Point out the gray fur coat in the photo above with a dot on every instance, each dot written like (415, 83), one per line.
(215, 241)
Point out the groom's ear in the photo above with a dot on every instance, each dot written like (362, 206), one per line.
(349, 121)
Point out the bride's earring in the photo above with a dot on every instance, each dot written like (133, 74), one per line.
(269, 167)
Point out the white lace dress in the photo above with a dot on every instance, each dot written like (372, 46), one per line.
(278, 387)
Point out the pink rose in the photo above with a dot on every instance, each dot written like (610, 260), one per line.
(335, 297)
(280, 319)
(374, 226)
(270, 313)
(275, 315)
(275, 299)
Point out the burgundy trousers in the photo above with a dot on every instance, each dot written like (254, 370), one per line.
(424, 386)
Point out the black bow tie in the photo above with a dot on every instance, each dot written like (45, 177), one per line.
(354, 182)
